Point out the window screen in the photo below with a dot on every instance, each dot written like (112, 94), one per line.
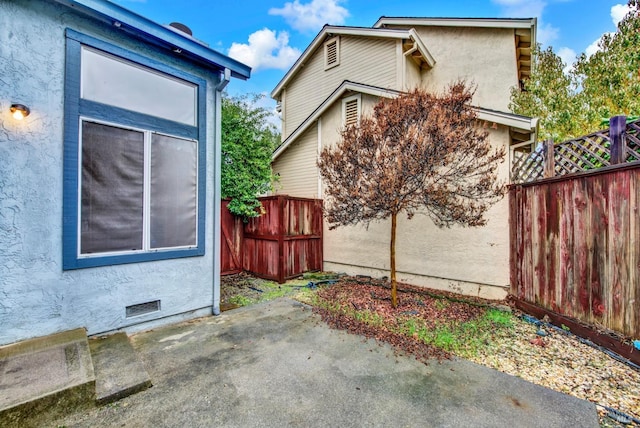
(112, 189)
(174, 201)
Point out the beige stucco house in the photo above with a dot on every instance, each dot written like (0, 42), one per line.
(344, 72)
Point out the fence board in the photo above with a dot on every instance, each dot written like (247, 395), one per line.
(283, 243)
(231, 241)
(575, 246)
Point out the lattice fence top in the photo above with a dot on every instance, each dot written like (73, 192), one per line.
(585, 153)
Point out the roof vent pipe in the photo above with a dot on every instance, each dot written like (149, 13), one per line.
(181, 27)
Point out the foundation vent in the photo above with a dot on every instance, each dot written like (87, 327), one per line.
(143, 308)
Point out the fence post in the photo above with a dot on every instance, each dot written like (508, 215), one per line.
(549, 159)
(617, 128)
(281, 232)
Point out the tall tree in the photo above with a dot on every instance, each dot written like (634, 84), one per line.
(596, 87)
(549, 94)
(248, 140)
(610, 78)
(417, 153)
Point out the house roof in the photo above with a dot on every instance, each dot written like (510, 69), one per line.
(159, 35)
(329, 31)
(525, 32)
(456, 22)
(522, 125)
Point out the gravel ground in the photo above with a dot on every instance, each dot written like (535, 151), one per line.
(561, 362)
(555, 359)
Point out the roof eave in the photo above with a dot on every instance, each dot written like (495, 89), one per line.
(428, 58)
(507, 119)
(328, 102)
(457, 22)
(331, 31)
(157, 34)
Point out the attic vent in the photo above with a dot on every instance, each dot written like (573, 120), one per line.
(331, 53)
(351, 110)
(143, 308)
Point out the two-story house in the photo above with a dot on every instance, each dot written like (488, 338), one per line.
(344, 72)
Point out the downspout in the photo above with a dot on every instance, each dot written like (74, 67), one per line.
(217, 188)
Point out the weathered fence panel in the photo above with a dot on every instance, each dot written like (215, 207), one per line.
(231, 241)
(575, 246)
(283, 243)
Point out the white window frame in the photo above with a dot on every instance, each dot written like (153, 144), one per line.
(146, 207)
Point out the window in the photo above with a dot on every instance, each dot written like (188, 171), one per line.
(351, 110)
(332, 53)
(134, 158)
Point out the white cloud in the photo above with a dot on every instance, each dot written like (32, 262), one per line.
(312, 16)
(546, 33)
(592, 48)
(522, 8)
(618, 12)
(568, 57)
(266, 49)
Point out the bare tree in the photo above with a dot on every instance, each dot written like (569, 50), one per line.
(417, 153)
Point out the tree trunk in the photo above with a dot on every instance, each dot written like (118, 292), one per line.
(394, 284)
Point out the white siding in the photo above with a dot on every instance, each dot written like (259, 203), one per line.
(363, 60)
(297, 166)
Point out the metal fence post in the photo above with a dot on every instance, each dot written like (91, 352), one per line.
(617, 128)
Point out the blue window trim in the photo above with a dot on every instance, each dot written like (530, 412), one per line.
(74, 108)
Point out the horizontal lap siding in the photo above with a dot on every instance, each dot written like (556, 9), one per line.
(575, 247)
(362, 59)
(297, 168)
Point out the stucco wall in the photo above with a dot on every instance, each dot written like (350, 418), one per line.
(473, 261)
(485, 57)
(36, 296)
(412, 74)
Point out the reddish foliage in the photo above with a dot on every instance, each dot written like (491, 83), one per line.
(428, 306)
(418, 153)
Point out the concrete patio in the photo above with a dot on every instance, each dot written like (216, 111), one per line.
(277, 364)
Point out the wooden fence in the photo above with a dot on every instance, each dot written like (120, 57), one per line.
(283, 243)
(575, 246)
(618, 144)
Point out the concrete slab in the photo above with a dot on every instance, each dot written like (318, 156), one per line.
(277, 364)
(52, 373)
(119, 372)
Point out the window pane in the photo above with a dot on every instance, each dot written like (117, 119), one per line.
(174, 170)
(112, 189)
(109, 80)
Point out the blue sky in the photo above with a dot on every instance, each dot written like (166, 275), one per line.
(269, 35)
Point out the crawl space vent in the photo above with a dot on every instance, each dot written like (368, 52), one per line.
(143, 308)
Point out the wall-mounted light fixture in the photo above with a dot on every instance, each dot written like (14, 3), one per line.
(19, 111)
